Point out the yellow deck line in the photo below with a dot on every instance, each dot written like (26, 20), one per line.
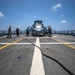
(63, 43)
(10, 44)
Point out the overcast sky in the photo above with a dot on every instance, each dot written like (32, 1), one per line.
(59, 14)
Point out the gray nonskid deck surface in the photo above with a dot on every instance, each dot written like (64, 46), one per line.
(17, 59)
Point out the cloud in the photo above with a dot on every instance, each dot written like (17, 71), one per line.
(62, 15)
(1, 14)
(54, 8)
(63, 21)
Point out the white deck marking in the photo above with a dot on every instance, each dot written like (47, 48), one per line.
(16, 43)
(40, 43)
(37, 63)
(59, 43)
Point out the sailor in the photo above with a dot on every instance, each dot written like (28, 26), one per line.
(9, 32)
(17, 31)
(49, 31)
(27, 31)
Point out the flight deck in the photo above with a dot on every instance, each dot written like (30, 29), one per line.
(27, 55)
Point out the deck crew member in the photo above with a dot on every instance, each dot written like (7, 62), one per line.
(17, 31)
(27, 31)
(49, 31)
(9, 32)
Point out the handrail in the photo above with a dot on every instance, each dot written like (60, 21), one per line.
(65, 32)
